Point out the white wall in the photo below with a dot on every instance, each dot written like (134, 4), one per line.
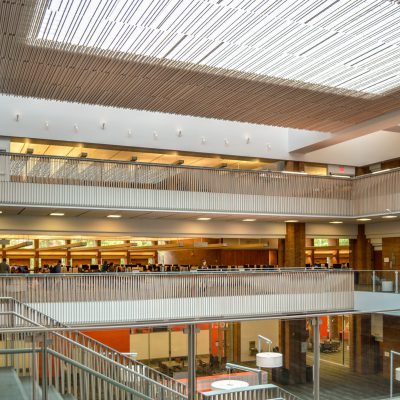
(61, 117)
(249, 331)
(53, 120)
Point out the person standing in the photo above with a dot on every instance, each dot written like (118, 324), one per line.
(4, 267)
(57, 268)
(104, 268)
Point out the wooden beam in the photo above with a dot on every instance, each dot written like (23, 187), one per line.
(18, 246)
(63, 247)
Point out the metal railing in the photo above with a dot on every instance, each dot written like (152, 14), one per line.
(67, 181)
(258, 392)
(77, 299)
(72, 347)
(63, 181)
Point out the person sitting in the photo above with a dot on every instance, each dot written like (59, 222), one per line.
(203, 264)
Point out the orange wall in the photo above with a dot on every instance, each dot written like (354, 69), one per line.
(117, 339)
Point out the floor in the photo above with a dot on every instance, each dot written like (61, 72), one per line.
(338, 382)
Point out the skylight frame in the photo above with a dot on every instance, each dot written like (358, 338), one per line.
(100, 26)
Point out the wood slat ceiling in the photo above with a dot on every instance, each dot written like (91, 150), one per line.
(96, 76)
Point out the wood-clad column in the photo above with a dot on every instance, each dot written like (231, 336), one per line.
(293, 345)
(37, 254)
(361, 250)
(362, 345)
(281, 252)
(68, 253)
(98, 256)
(2, 251)
(295, 245)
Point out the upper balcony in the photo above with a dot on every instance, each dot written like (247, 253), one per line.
(87, 183)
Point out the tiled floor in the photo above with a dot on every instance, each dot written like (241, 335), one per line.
(339, 382)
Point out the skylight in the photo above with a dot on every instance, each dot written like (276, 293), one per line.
(341, 44)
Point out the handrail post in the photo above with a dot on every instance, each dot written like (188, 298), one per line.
(316, 352)
(44, 367)
(374, 281)
(191, 331)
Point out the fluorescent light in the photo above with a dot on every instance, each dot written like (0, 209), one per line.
(114, 216)
(203, 219)
(291, 221)
(389, 216)
(295, 172)
(339, 176)
(381, 170)
(249, 220)
(336, 222)
(363, 219)
(335, 44)
(57, 214)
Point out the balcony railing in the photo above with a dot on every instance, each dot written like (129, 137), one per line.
(73, 182)
(81, 299)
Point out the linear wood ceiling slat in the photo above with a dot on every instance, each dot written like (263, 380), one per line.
(123, 80)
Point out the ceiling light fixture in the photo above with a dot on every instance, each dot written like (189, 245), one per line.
(292, 221)
(336, 222)
(363, 219)
(155, 135)
(203, 219)
(129, 132)
(1, 212)
(203, 140)
(114, 216)
(389, 216)
(249, 220)
(76, 128)
(57, 214)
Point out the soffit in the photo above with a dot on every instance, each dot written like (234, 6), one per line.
(96, 76)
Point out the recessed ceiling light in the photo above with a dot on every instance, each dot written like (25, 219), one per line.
(57, 214)
(389, 216)
(203, 219)
(292, 220)
(1, 212)
(114, 216)
(363, 219)
(249, 220)
(336, 222)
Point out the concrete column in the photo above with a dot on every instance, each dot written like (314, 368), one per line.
(295, 245)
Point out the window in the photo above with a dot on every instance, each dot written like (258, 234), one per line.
(321, 242)
(14, 242)
(51, 243)
(344, 242)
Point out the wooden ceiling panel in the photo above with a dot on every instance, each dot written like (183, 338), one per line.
(95, 76)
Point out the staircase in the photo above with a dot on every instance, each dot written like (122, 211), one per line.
(75, 367)
(14, 387)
